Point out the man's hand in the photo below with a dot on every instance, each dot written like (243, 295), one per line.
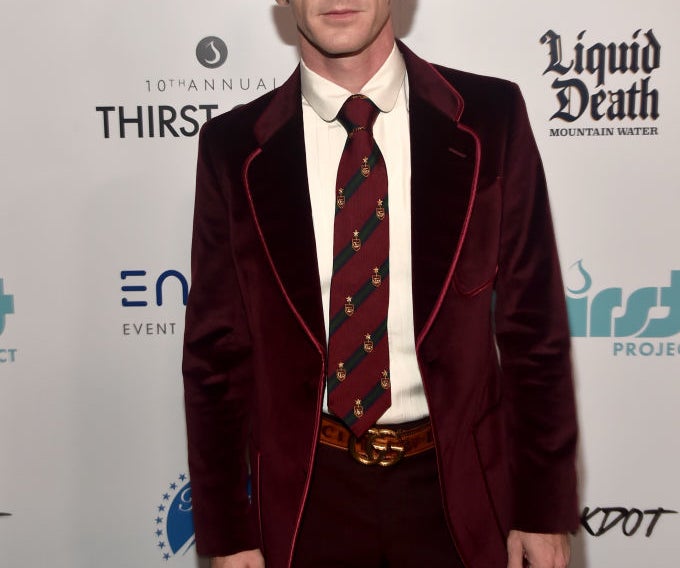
(539, 550)
(245, 559)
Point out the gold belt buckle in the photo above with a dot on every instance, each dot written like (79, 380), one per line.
(378, 446)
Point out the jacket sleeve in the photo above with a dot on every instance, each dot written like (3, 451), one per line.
(217, 372)
(534, 344)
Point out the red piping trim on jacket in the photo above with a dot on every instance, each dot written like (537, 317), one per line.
(466, 223)
(440, 299)
(319, 347)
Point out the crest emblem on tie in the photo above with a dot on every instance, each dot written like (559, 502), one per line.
(358, 408)
(341, 372)
(376, 278)
(385, 379)
(340, 199)
(365, 168)
(356, 241)
(368, 343)
(380, 210)
(349, 306)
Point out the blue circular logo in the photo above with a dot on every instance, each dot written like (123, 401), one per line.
(174, 520)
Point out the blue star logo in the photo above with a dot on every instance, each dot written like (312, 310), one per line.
(174, 530)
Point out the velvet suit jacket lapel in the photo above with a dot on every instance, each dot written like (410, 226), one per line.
(444, 171)
(276, 178)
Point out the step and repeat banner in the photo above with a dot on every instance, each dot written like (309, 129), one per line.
(102, 102)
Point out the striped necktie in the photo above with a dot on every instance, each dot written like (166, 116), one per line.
(358, 378)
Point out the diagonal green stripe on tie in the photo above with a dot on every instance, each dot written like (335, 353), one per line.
(368, 400)
(358, 356)
(358, 298)
(357, 179)
(364, 234)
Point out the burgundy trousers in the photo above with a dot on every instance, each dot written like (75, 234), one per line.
(361, 516)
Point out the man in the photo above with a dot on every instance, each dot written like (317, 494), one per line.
(475, 422)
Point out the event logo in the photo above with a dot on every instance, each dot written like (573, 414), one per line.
(6, 308)
(140, 291)
(174, 522)
(652, 312)
(630, 522)
(158, 115)
(604, 81)
(211, 52)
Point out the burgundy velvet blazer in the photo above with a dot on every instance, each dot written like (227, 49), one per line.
(490, 322)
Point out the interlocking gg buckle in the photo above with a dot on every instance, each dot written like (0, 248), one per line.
(378, 446)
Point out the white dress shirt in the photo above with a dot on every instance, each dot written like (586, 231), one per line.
(324, 140)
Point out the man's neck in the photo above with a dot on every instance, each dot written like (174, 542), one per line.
(350, 71)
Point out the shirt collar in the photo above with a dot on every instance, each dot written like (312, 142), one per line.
(326, 97)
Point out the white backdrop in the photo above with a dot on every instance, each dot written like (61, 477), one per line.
(93, 463)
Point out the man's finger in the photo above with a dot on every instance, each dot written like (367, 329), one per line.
(515, 552)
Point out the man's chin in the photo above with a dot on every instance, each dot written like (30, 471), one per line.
(340, 49)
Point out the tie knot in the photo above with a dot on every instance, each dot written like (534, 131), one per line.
(358, 113)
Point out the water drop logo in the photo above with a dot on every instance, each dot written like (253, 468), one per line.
(578, 284)
(211, 52)
(174, 521)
